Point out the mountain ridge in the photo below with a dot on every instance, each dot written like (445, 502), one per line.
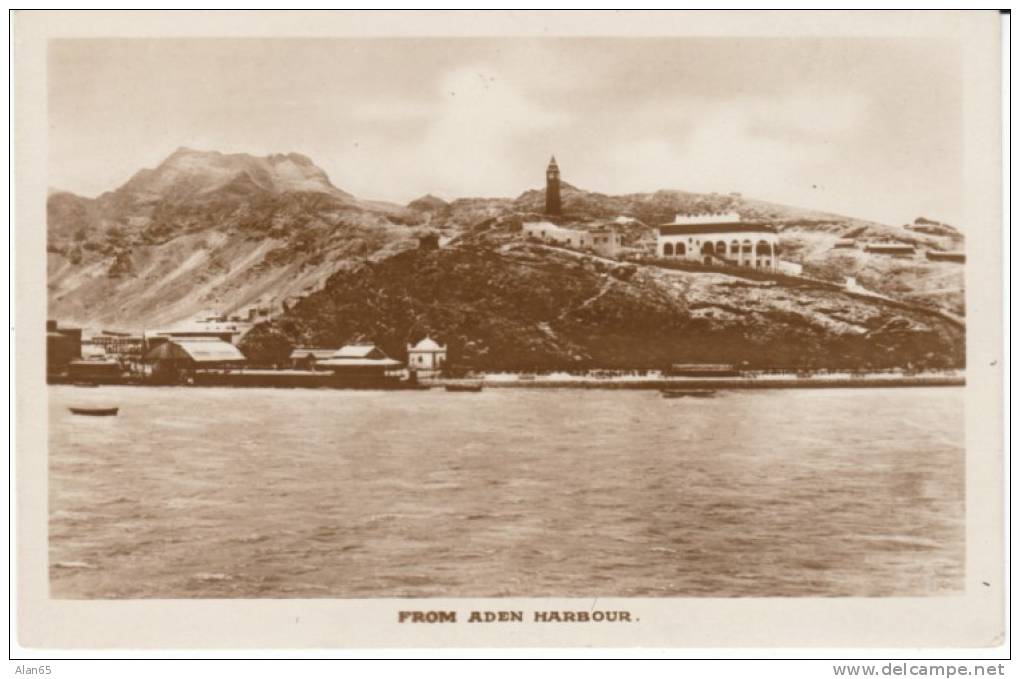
(207, 229)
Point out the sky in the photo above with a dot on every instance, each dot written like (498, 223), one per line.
(868, 128)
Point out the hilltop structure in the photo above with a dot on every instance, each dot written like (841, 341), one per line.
(581, 235)
(553, 208)
(719, 238)
(603, 241)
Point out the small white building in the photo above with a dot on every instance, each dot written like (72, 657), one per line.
(603, 241)
(719, 238)
(427, 357)
(789, 268)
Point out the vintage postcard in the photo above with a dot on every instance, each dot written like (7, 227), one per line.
(508, 329)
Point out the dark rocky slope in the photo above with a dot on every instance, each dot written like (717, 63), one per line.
(515, 306)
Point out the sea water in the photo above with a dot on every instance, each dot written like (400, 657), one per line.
(209, 492)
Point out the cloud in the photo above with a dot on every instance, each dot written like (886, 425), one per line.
(779, 147)
(390, 110)
(806, 116)
(474, 128)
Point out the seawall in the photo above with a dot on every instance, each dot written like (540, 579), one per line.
(721, 383)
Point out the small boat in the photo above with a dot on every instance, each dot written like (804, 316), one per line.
(95, 412)
(464, 387)
(85, 384)
(681, 393)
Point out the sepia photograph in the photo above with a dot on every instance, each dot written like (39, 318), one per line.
(426, 318)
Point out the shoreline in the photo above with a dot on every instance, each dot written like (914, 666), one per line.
(716, 382)
(294, 379)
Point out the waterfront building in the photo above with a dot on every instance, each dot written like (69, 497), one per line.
(90, 351)
(63, 345)
(363, 365)
(100, 370)
(360, 358)
(427, 358)
(173, 358)
(306, 358)
(603, 241)
(553, 208)
(122, 344)
(197, 353)
(719, 238)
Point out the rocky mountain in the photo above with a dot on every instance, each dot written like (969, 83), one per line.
(226, 231)
(504, 304)
(209, 230)
(428, 204)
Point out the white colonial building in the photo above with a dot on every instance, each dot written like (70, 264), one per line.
(719, 238)
(427, 357)
(603, 241)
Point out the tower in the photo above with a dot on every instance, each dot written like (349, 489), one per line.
(552, 188)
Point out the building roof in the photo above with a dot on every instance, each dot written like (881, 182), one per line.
(305, 352)
(349, 351)
(427, 344)
(707, 218)
(197, 350)
(719, 227)
(576, 228)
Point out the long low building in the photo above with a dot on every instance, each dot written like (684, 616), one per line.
(306, 358)
(603, 241)
(174, 359)
(363, 365)
(719, 238)
(360, 358)
(63, 345)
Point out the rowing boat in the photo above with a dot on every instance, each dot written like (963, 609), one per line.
(95, 412)
(681, 393)
(464, 387)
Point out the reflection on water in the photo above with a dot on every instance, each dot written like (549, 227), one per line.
(317, 493)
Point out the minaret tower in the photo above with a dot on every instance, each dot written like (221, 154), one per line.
(552, 188)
